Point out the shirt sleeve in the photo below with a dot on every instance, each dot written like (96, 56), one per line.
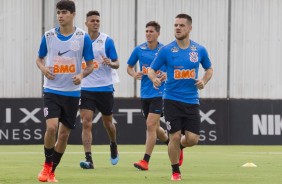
(87, 49)
(205, 62)
(133, 57)
(43, 48)
(111, 49)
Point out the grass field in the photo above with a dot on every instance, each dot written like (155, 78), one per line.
(202, 165)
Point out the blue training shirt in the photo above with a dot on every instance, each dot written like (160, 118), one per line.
(182, 69)
(146, 57)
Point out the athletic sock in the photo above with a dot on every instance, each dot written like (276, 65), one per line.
(88, 157)
(56, 160)
(48, 155)
(175, 168)
(113, 146)
(146, 157)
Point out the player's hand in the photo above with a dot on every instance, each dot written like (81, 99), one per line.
(200, 84)
(162, 76)
(138, 75)
(77, 79)
(157, 83)
(106, 61)
(47, 71)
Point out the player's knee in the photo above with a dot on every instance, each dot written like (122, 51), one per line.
(64, 136)
(193, 141)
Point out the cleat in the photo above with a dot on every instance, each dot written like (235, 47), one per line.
(52, 178)
(176, 177)
(86, 165)
(114, 155)
(114, 161)
(44, 173)
(142, 165)
(180, 157)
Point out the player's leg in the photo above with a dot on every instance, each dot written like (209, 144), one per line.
(86, 116)
(173, 117)
(87, 108)
(173, 152)
(69, 108)
(111, 131)
(161, 134)
(105, 104)
(51, 114)
(49, 143)
(60, 147)
(191, 128)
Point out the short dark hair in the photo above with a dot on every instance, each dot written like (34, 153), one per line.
(66, 5)
(185, 16)
(92, 12)
(155, 25)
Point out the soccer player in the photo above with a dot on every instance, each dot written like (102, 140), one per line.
(182, 58)
(151, 98)
(64, 46)
(97, 90)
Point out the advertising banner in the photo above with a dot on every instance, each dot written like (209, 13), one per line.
(223, 122)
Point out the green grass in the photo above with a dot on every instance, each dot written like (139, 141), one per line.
(202, 165)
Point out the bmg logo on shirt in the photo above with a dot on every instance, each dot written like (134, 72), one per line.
(184, 74)
(64, 65)
(95, 65)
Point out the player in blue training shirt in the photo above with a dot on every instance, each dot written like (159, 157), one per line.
(97, 90)
(64, 47)
(151, 98)
(182, 59)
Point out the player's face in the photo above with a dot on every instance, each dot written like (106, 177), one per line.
(151, 34)
(181, 28)
(93, 23)
(65, 17)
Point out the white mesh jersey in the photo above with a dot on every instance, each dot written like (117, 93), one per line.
(65, 58)
(102, 75)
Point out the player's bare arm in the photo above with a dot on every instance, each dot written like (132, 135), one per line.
(113, 64)
(153, 77)
(132, 73)
(207, 76)
(46, 71)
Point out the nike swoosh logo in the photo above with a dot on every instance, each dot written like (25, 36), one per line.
(62, 53)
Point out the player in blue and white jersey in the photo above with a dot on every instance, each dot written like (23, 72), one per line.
(60, 59)
(97, 90)
(182, 59)
(151, 98)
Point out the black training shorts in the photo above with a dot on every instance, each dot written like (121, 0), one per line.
(63, 107)
(152, 105)
(182, 116)
(103, 101)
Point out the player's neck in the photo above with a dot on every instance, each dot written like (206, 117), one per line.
(152, 45)
(184, 43)
(94, 35)
(67, 30)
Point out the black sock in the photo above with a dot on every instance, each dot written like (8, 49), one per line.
(175, 168)
(146, 157)
(48, 155)
(88, 157)
(167, 141)
(56, 160)
(114, 153)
